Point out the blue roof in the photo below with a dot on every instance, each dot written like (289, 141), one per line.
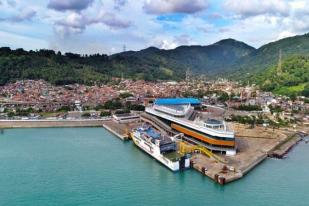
(177, 101)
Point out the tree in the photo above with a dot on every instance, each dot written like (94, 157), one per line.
(125, 95)
(105, 113)
(248, 107)
(306, 90)
(11, 114)
(136, 107)
(64, 109)
(223, 97)
(113, 104)
(122, 111)
(293, 97)
(99, 107)
(86, 115)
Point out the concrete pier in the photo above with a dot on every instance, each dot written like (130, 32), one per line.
(116, 131)
(120, 129)
(50, 123)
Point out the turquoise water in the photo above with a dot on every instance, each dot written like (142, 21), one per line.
(89, 166)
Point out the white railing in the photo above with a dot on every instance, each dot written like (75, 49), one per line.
(172, 111)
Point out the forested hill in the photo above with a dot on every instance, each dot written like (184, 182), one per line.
(148, 64)
(226, 58)
(53, 67)
(212, 59)
(268, 55)
(291, 79)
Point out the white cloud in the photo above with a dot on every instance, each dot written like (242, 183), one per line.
(168, 42)
(248, 8)
(12, 3)
(112, 20)
(197, 23)
(78, 26)
(297, 4)
(21, 41)
(26, 14)
(63, 5)
(174, 6)
(285, 34)
(76, 22)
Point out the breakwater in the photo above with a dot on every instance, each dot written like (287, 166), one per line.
(50, 123)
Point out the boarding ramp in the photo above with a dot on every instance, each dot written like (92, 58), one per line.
(185, 148)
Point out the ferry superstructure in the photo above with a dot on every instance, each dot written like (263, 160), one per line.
(180, 115)
(162, 148)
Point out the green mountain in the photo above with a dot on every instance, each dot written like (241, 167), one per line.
(212, 59)
(46, 64)
(227, 58)
(268, 55)
(148, 64)
(291, 79)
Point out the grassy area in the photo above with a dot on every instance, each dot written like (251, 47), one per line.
(50, 114)
(289, 90)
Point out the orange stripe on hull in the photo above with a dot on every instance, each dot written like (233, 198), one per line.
(201, 137)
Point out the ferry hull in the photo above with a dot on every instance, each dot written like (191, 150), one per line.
(173, 166)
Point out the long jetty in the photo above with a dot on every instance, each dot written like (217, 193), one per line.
(51, 123)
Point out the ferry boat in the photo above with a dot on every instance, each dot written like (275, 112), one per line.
(162, 148)
(180, 114)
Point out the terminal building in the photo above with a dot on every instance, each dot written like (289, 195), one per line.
(181, 115)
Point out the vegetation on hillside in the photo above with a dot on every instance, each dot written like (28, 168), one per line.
(268, 55)
(291, 80)
(147, 64)
(226, 58)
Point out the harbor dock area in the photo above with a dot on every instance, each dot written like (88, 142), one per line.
(254, 145)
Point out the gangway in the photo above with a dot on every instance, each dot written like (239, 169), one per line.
(189, 148)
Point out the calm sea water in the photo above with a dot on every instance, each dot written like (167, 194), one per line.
(89, 166)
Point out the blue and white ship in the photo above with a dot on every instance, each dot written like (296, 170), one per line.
(162, 148)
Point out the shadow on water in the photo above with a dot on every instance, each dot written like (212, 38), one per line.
(1, 131)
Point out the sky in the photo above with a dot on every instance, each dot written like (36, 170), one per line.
(111, 26)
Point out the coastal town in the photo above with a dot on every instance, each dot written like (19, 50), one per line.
(265, 125)
(240, 100)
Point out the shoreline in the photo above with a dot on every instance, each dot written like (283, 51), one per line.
(283, 148)
(9, 124)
